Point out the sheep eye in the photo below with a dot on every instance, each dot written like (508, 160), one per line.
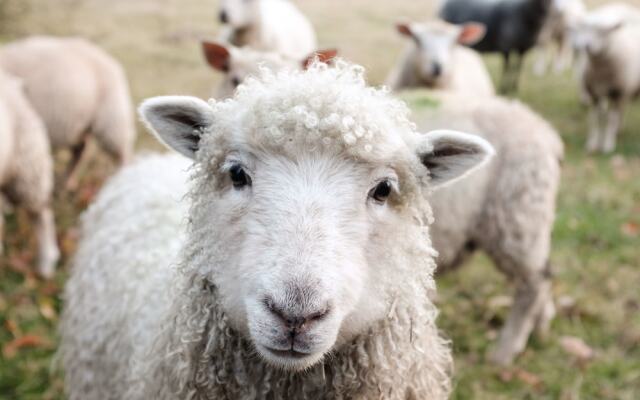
(239, 178)
(381, 192)
(235, 81)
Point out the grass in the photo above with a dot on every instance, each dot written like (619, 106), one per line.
(596, 253)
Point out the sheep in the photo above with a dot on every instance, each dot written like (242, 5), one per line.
(305, 267)
(81, 92)
(555, 37)
(505, 208)
(609, 40)
(267, 25)
(238, 63)
(512, 29)
(26, 169)
(436, 60)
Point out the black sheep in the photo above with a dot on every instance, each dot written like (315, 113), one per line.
(512, 29)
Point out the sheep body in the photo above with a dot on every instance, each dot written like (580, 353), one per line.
(26, 168)
(609, 41)
(273, 26)
(82, 91)
(505, 208)
(462, 69)
(512, 29)
(186, 300)
(554, 38)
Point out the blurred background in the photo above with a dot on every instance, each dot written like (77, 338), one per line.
(594, 349)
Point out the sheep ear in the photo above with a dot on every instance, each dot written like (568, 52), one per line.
(450, 155)
(177, 121)
(324, 56)
(471, 33)
(405, 29)
(217, 55)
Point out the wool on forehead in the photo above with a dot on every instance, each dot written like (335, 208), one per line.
(322, 108)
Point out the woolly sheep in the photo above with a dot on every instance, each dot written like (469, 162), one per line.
(505, 208)
(267, 25)
(26, 169)
(437, 60)
(81, 92)
(239, 63)
(305, 267)
(555, 36)
(609, 40)
(512, 26)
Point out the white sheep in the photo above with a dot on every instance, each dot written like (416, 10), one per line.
(555, 38)
(267, 25)
(79, 91)
(305, 266)
(437, 59)
(26, 169)
(505, 208)
(239, 63)
(609, 41)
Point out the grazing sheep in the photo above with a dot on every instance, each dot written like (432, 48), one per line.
(238, 63)
(505, 208)
(267, 25)
(609, 40)
(26, 169)
(81, 92)
(512, 29)
(555, 37)
(436, 60)
(305, 267)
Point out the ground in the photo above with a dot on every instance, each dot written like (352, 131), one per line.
(596, 243)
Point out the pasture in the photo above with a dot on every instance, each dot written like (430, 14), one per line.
(596, 242)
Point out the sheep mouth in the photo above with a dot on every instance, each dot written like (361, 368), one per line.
(287, 353)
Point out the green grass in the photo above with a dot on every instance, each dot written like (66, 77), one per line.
(596, 242)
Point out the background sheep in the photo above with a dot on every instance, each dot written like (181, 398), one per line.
(609, 39)
(436, 60)
(26, 169)
(267, 25)
(505, 208)
(82, 92)
(512, 29)
(338, 169)
(555, 36)
(239, 63)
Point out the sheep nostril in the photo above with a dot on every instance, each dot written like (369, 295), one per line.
(437, 69)
(224, 18)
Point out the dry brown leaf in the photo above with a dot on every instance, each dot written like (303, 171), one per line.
(630, 229)
(577, 348)
(45, 305)
(10, 350)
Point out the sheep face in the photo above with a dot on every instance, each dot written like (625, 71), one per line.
(239, 13)
(295, 202)
(591, 35)
(435, 42)
(239, 63)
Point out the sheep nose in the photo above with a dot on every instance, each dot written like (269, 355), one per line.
(296, 322)
(224, 18)
(437, 69)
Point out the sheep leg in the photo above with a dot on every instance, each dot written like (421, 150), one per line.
(565, 55)
(614, 120)
(48, 252)
(531, 299)
(1, 225)
(596, 111)
(542, 61)
(71, 175)
(515, 80)
(506, 71)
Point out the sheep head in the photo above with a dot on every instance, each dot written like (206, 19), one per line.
(309, 204)
(434, 43)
